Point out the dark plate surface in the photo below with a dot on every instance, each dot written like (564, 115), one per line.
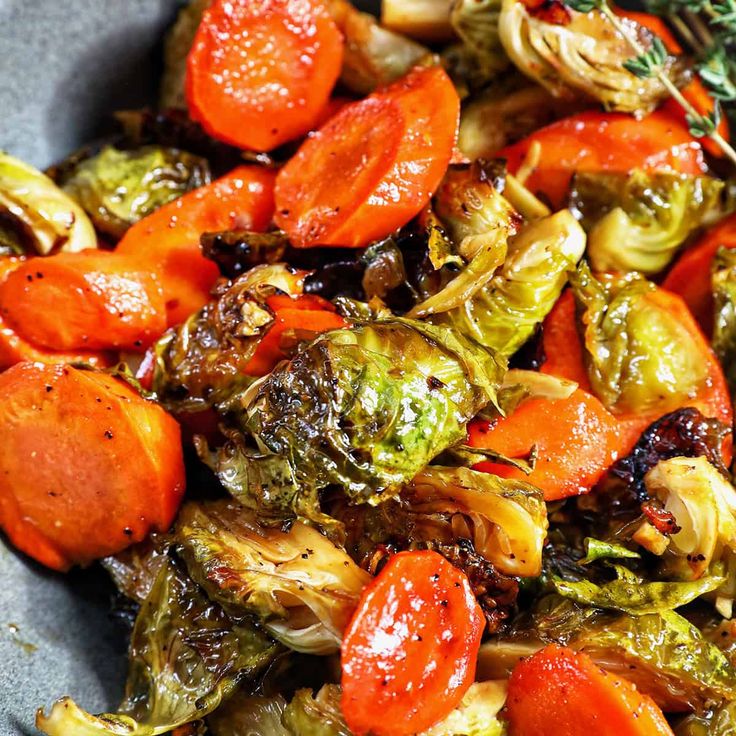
(65, 64)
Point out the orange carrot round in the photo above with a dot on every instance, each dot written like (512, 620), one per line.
(409, 652)
(261, 71)
(373, 166)
(576, 441)
(559, 691)
(593, 141)
(91, 300)
(88, 466)
(168, 240)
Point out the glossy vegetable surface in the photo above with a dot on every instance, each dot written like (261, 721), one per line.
(259, 73)
(409, 652)
(373, 166)
(70, 493)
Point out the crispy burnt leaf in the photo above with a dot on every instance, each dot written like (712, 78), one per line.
(682, 433)
(638, 355)
(117, 188)
(582, 56)
(204, 361)
(186, 657)
(724, 298)
(300, 586)
(637, 221)
(36, 217)
(237, 251)
(364, 409)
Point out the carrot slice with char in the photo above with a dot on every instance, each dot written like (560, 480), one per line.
(168, 239)
(261, 71)
(88, 466)
(593, 141)
(409, 652)
(373, 166)
(559, 691)
(93, 300)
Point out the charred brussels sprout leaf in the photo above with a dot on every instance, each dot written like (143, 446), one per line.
(637, 221)
(374, 56)
(316, 715)
(505, 312)
(630, 594)
(505, 519)
(582, 57)
(36, 217)
(249, 715)
(724, 296)
(204, 362)
(365, 409)
(596, 550)
(639, 357)
(134, 570)
(237, 251)
(300, 586)
(186, 657)
(117, 188)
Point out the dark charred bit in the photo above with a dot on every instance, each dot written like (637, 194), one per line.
(682, 433)
(237, 251)
(530, 356)
(496, 593)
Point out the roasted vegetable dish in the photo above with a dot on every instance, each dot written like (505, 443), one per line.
(388, 369)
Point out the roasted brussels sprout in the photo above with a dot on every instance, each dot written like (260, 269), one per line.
(237, 251)
(36, 217)
(505, 312)
(374, 56)
(300, 586)
(249, 715)
(582, 56)
(716, 722)
(638, 355)
(703, 504)
(724, 297)
(320, 714)
(202, 363)
(364, 408)
(637, 221)
(186, 657)
(505, 519)
(119, 187)
(480, 56)
(178, 42)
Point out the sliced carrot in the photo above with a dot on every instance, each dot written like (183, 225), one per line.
(168, 239)
(593, 141)
(305, 315)
(93, 300)
(373, 166)
(695, 92)
(690, 277)
(564, 351)
(409, 652)
(576, 441)
(260, 71)
(88, 466)
(559, 691)
(15, 349)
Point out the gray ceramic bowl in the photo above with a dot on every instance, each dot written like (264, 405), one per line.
(65, 64)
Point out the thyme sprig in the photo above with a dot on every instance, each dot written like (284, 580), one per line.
(714, 68)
